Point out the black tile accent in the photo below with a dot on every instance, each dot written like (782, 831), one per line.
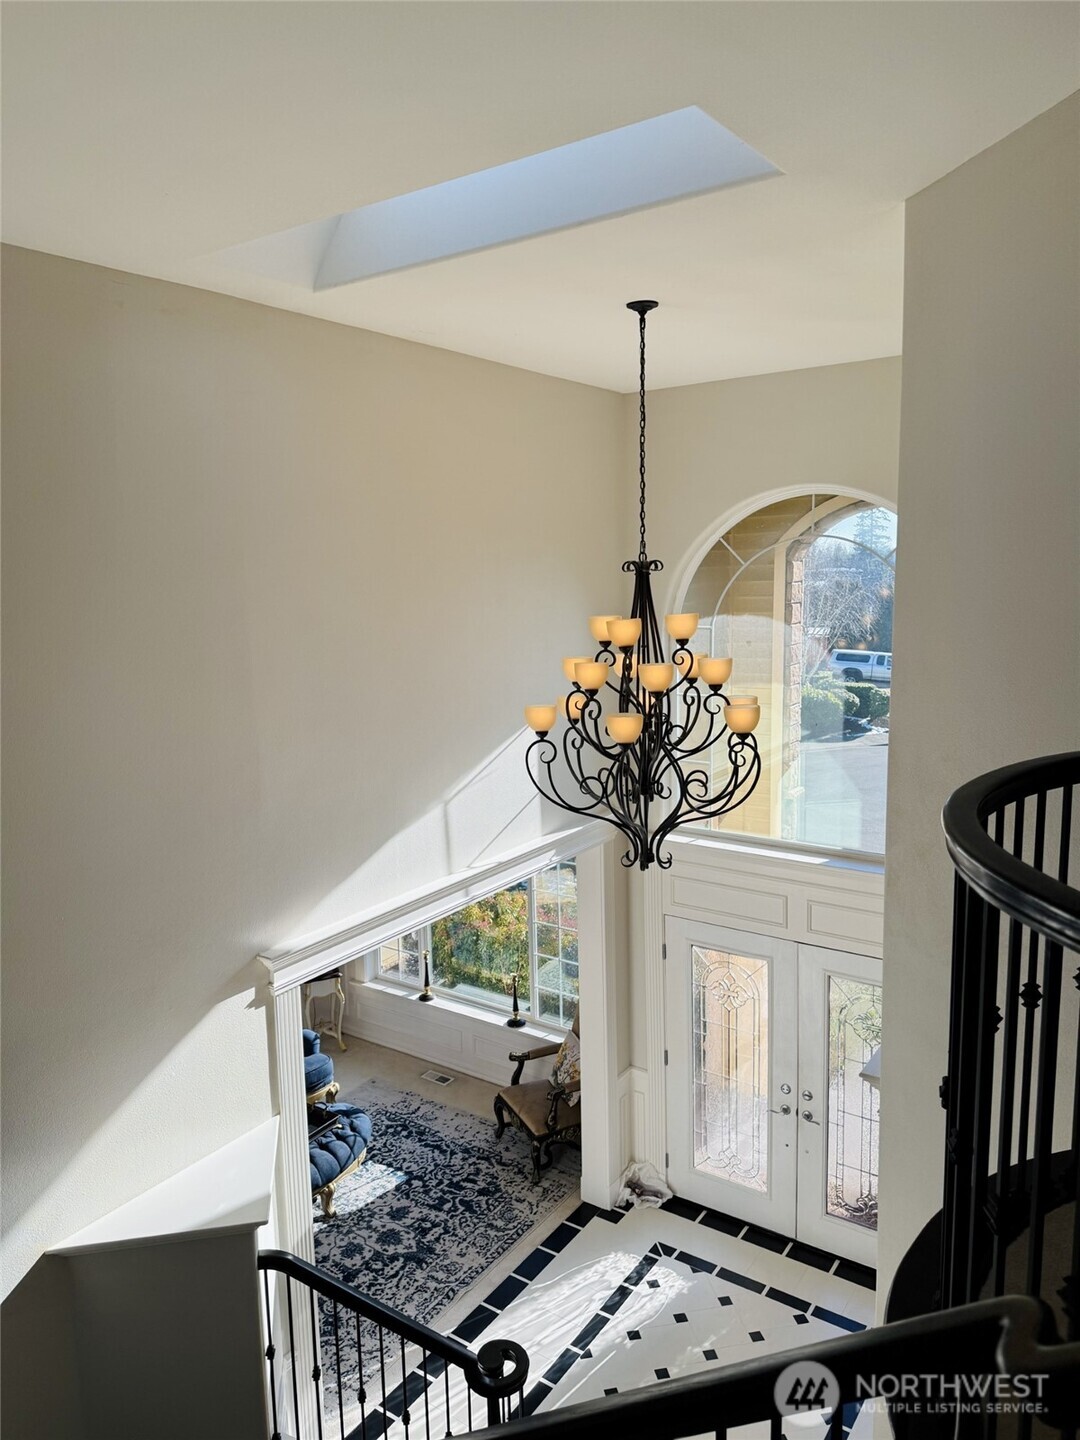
(802, 1320)
(560, 1238)
(584, 1338)
(433, 1365)
(531, 1266)
(401, 1396)
(376, 1424)
(535, 1396)
(832, 1318)
(501, 1296)
(716, 1220)
(680, 1319)
(809, 1255)
(616, 1299)
(653, 1284)
(583, 1214)
(683, 1208)
(735, 1278)
(791, 1301)
(756, 1335)
(640, 1270)
(662, 1374)
(857, 1274)
(586, 1354)
(614, 1216)
(613, 1391)
(477, 1320)
(695, 1262)
(633, 1334)
(709, 1354)
(767, 1239)
(666, 1249)
(558, 1369)
(726, 1300)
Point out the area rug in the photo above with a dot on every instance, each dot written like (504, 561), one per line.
(436, 1203)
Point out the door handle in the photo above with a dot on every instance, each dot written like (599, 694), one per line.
(807, 1115)
(783, 1110)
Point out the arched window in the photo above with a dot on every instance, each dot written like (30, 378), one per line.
(800, 594)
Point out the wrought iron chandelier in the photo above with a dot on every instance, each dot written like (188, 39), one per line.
(645, 767)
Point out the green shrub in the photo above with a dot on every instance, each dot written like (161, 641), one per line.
(871, 701)
(822, 710)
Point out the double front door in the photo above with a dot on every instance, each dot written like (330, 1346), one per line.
(770, 1114)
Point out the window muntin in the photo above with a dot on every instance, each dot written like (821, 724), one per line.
(796, 593)
(529, 930)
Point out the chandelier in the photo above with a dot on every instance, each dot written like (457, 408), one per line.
(647, 767)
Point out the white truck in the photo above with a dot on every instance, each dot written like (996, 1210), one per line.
(873, 665)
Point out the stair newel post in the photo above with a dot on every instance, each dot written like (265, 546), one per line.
(503, 1366)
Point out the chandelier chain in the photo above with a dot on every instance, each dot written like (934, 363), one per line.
(642, 552)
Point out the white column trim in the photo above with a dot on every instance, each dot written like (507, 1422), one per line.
(655, 1126)
(601, 1131)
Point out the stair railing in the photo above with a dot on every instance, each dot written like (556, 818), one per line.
(495, 1374)
(1009, 1337)
(1012, 1092)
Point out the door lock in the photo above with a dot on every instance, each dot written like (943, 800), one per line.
(785, 1089)
(807, 1095)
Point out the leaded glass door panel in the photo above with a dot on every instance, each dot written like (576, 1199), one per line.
(732, 1038)
(839, 1047)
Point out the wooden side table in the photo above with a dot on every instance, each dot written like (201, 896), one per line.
(326, 987)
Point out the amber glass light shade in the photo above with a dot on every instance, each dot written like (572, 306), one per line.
(624, 729)
(681, 627)
(570, 705)
(570, 662)
(591, 674)
(598, 626)
(540, 718)
(624, 633)
(656, 677)
(742, 715)
(715, 672)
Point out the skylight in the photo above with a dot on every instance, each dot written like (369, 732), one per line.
(669, 157)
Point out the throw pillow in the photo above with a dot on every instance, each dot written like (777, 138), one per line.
(567, 1069)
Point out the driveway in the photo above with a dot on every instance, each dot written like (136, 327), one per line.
(844, 792)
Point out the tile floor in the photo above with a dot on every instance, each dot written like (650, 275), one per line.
(610, 1302)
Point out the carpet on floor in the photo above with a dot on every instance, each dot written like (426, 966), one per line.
(437, 1202)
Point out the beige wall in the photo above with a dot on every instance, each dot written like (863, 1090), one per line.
(988, 579)
(275, 592)
(723, 448)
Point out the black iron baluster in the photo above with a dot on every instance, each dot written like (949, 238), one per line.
(836, 1424)
(316, 1370)
(1044, 1113)
(337, 1367)
(1065, 834)
(427, 1386)
(292, 1355)
(468, 1404)
(406, 1418)
(361, 1389)
(275, 1432)
(1008, 1100)
(982, 1090)
(382, 1372)
(776, 1428)
(954, 1192)
(446, 1387)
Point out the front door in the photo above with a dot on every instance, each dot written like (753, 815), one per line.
(770, 1116)
(732, 1071)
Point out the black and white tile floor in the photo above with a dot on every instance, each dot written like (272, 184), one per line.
(612, 1301)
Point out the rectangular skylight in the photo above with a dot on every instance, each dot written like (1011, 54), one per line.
(670, 157)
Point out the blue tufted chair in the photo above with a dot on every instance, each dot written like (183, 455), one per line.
(319, 1081)
(337, 1145)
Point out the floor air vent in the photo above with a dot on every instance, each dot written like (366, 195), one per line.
(437, 1078)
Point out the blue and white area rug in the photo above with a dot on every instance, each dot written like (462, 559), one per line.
(436, 1203)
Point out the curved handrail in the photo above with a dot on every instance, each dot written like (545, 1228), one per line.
(1037, 900)
(483, 1369)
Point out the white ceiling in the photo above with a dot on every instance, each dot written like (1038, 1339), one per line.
(152, 136)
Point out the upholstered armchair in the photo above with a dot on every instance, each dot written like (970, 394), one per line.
(319, 1082)
(539, 1108)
